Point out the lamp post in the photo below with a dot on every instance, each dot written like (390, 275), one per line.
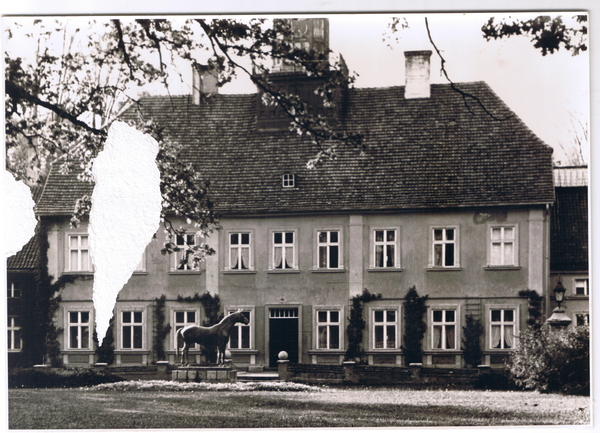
(559, 319)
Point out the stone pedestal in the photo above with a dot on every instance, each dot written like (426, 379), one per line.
(204, 374)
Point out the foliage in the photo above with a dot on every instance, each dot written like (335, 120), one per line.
(414, 326)
(534, 308)
(211, 304)
(546, 33)
(356, 324)
(551, 360)
(58, 377)
(106, 351)
(162, 330)
(163, 385)
(472, 332)
(62, 97)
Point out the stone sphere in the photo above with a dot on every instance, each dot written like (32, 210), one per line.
(283, 355)
(227, 354)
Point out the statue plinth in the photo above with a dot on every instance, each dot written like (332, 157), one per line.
(209, 374)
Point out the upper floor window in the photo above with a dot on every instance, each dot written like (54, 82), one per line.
(385, 248)
(384, 324)
(328, 329)
(444, 329)
(283, 252)
(328, 249)
(13, 291)
(445, 247)
(581, 287)
(78, 325)
(183, 259)
(503, 328)
(503, 245)
(132, 329)
(288, 180)
(240, 251)
(79, 256)
(15, 343)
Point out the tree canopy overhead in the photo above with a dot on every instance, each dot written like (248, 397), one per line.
(61, 99)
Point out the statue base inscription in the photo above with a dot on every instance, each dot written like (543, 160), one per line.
(204, 374)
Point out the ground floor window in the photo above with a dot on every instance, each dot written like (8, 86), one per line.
(328, 329)
(132, 329)
(241, 335)
(502, 328)
(14, 334)
(183, 318)
(443, 327)
(582, 319)
(385, 328)
(78, 329)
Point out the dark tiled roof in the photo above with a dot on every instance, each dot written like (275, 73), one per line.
(27, 258)
(569, 230)
(421, 153)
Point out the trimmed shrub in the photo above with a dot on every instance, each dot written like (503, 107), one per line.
(472, 332)
(551, 360)
(58, 377)
(414, 326)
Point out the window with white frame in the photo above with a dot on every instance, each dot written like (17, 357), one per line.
(288, 180)
(444, 329)
(582, 318)
(328, 249)
(385, 248)
(581, 287)
(132, 329)
(183, 259)
(445, 247)
(183, 318)
(240, 253)
(503, 246)
(15, 343)
(284, 250)
(503, 328)
(13, 291)
(79, 255)
(385, 328)
(328, 329)
(78, 325)
(241, 336)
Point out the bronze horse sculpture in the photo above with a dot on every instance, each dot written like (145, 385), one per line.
(216, 335)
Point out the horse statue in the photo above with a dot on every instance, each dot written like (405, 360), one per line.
(216, 335)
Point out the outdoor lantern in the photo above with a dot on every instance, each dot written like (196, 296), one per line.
(559, 293)
(559, 319)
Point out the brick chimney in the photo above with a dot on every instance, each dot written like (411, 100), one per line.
(417, 74)
(204, 82)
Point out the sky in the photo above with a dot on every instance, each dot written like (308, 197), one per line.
(549, 93)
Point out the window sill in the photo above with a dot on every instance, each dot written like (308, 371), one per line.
(185, 272)
(128, 351)
(443, 352)
(140, 272)
(241, 272)
(327, 352)
(442, 269)
(328, 271)
(243, 351)
(283, 271)
(385, 270)
(501, 268)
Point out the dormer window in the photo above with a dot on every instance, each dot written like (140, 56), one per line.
(288, 180)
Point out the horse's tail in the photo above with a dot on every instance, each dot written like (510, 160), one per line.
(178, 336)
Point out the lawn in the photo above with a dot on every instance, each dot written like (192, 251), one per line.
(157, 404)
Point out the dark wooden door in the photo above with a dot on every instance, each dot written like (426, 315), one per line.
(283, 335)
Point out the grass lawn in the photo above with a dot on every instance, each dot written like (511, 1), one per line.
(167, 405)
